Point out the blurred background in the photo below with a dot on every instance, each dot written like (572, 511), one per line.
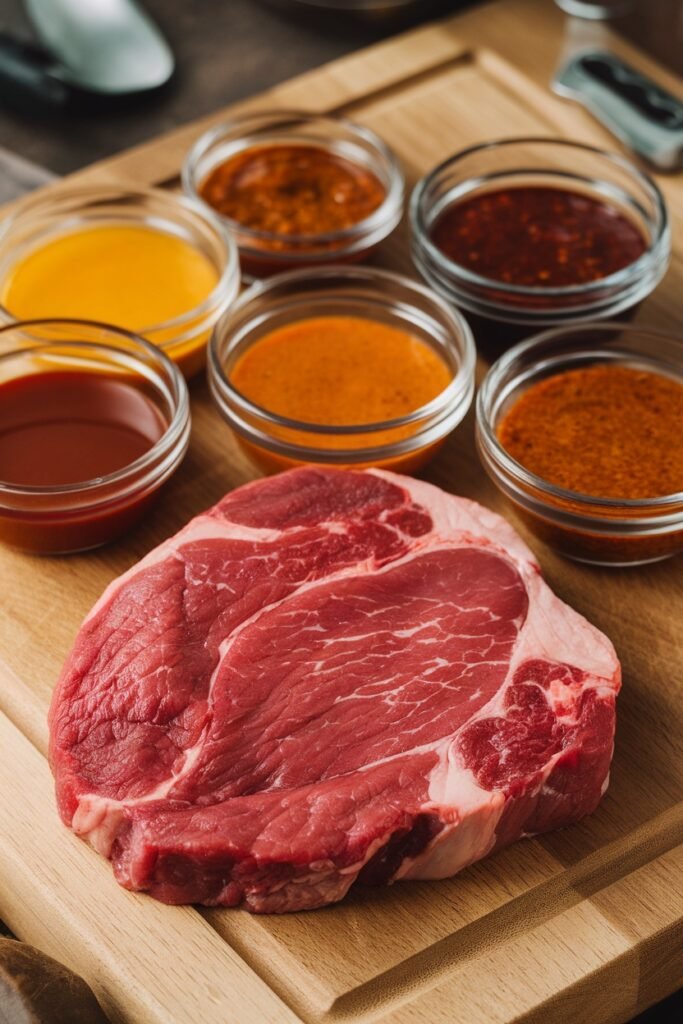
(223, 52)
(227, 50)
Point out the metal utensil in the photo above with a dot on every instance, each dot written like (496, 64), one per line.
(103, 47)
(595, 10)
(108, 46)
(639, 111)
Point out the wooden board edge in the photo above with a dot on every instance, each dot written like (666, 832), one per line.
(59, 894)
(328, 89)
(580, 964)
(22, 707)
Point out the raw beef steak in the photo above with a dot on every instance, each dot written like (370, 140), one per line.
(329, 677)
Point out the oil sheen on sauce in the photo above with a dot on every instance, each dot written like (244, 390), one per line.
(538, 236)
(131, 276)
(292, 190)
(68, 427)
(340, 371)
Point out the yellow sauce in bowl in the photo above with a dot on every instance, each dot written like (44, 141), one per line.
(131, 276)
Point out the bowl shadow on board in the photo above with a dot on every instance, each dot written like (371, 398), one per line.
(493, 337)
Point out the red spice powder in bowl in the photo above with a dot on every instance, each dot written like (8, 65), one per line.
(580, 428)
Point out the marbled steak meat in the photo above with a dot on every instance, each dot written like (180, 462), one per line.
(328, 678)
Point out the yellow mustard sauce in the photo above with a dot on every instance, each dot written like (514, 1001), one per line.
(130, 276)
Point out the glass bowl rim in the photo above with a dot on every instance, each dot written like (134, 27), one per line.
(469, 277)
(390, 205)
(163, 446)
(228, 279)
(441, 402)
(542, 487)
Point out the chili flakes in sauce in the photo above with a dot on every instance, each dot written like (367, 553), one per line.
(538, 236)
(607, 431)
(294, 190)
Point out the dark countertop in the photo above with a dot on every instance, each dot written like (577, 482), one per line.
(225, 50)
(229, 49)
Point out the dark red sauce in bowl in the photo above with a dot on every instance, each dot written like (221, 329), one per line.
(536, 236)
(528, 234)
(93, 420)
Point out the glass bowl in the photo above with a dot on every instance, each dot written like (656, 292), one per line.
(403, 444)
(263, 253)
(67, 211)
(501, 313)
(601, 531)
(57, 519)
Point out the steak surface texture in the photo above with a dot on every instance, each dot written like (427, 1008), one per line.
(328, 678)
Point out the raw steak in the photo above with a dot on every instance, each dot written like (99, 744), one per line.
(329, 677)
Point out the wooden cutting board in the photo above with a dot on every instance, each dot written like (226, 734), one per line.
(581, 925)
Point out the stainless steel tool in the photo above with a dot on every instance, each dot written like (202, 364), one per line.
(637, 110)
(107, 47)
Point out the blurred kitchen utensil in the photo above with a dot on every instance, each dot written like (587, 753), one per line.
(104, 48)
(596, 10)
(35, 989)
(108, 46)
(373, 13)
(637, 110)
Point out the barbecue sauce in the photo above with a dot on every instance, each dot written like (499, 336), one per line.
(63, 437)
(292, 190)
(68, 427)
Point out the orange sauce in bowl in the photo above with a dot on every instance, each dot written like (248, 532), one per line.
(341, 371)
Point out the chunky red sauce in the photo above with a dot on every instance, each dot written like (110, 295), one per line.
(293, 190)
(538, 236)
(67, 427)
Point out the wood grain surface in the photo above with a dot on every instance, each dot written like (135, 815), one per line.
(580, 925)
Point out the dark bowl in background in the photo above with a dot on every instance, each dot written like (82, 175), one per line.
(384, 15)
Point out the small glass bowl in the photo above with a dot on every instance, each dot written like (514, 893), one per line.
(263, 253)
(601, 531)
(58, 519)
(67, 210)
(403, 444)
(501, 313)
